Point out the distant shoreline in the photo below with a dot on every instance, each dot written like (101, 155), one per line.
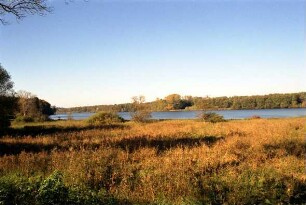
(176, 102)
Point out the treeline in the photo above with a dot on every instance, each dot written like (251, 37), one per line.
(177, 102)
(31, 108)
(22, 106)
(271, 101)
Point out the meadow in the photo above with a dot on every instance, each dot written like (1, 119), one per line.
(251, 161)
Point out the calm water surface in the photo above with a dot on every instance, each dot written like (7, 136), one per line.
(227, 114)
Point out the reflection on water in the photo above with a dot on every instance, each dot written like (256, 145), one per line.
(227, 114)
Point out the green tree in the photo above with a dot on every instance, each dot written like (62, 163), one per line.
(236, 103)
(260, 102)
(6, 85)
(7, 99)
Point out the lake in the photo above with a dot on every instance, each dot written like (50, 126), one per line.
(227, 114)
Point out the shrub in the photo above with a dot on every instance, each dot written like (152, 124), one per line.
(211, 117)
(20, 119)
(85, 196)
(23, 119)
(104, 118)
(141, 116)
(21, 190)
(53, 190)
(41, 118)
(17, 189)
(255, 117)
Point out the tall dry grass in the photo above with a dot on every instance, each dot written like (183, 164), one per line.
(169, 162)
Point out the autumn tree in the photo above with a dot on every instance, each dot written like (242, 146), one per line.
(176, 102)
(173, 101)
(158, 105)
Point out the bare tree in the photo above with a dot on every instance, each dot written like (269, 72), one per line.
(26, 103)
(141, 112)
(22, 8)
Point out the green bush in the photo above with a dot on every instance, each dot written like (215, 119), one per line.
(105, 118)
(21, 190)
(53, 190)
(213, 190)
(211, 117)
(17, 189)
(23, 119)
(20, 119)
(79, 196)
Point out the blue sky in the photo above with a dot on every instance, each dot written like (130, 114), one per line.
(105, 52)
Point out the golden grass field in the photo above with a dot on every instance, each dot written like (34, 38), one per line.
(165, 162)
